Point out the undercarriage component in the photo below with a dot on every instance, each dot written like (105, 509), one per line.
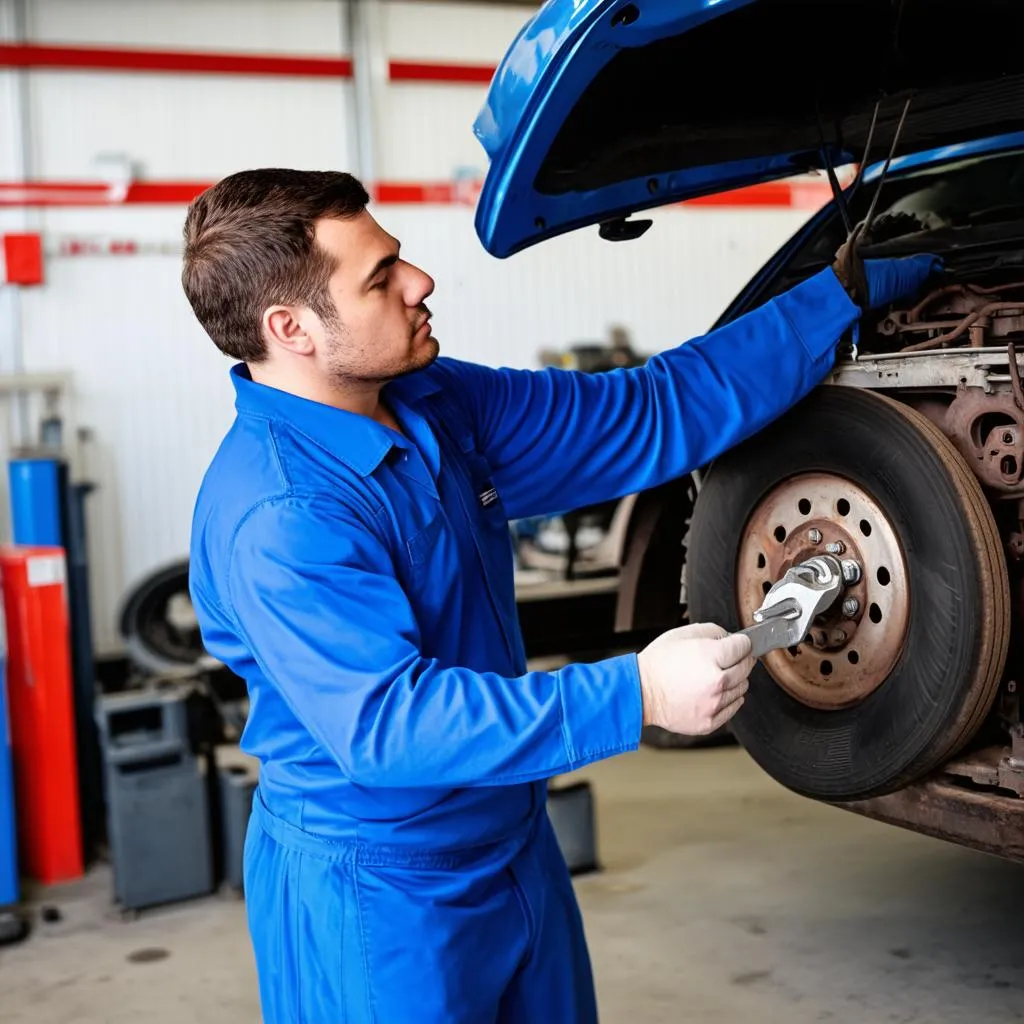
(989, 432)
(930, 632)
(958, 314)
(974, 396)
(938, 806)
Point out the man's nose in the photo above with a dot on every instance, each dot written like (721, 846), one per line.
(418, 286)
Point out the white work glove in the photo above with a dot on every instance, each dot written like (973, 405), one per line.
(692, 679)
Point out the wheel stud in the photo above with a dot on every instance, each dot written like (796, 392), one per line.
(837, 547)
(850, 607)
(814, 536)
(851, 572)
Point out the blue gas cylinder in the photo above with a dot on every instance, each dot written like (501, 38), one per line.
(34, 485)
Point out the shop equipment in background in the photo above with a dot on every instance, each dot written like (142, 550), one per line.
(237, 776)
(158, 813)
(42, 712)
(48, 508)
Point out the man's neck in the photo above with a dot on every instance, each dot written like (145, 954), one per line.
(361, 399)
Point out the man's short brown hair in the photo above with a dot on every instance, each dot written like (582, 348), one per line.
(250, 243)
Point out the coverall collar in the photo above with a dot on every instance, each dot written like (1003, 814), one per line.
(358, 441)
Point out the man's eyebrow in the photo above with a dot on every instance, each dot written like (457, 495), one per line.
(382, 264)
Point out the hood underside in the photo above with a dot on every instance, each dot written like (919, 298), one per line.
(605, 107)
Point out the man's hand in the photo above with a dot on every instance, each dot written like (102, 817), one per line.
(692, 679)
(891, 280)
(875, 283)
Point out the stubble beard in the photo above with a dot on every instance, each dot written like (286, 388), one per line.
(346, 373)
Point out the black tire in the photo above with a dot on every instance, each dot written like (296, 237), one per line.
(947, 675)
(151, 641)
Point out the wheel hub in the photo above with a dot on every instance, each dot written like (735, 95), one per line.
(852, 648)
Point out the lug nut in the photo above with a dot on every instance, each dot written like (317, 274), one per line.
(850, 607)
(851, 572)
(814, 536)
(837, 547)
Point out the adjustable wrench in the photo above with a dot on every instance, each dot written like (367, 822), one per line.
(793, 603)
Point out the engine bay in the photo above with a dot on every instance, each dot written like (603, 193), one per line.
(980, 317)
(968, 314)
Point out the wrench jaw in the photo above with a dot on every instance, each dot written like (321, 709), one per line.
(794, 602)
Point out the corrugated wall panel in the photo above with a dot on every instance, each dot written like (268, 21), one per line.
(191, 126)
(429, 128)
(470, 33)
(430, 132)
(267, 26)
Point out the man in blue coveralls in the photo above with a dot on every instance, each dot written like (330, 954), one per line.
(351, 560)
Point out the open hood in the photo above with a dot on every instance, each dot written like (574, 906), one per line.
(602, 108)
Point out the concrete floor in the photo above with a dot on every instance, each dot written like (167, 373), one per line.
(723, 898)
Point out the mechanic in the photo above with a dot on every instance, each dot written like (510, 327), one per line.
(351, 560)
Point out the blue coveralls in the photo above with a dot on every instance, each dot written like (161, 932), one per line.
(400, 865)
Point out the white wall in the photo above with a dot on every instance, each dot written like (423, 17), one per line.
(148, 382)
(426, 129)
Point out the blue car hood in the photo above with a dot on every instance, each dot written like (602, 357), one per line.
(601, 108)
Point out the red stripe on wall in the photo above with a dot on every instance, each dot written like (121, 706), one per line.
(780, 195)
(96, 58)
(91, 193)
(196, 62)
(417, 71)
(772, 193)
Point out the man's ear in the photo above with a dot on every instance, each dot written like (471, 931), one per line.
(286, 326)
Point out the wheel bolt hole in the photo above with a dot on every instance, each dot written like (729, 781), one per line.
(865, 528)
(794, 651)
(766, 586)
(780, 533)
(843, 507)
(853, 657)
(761, 561)
(826, 668)
(805, 507)
(875, 614)
(883, 576)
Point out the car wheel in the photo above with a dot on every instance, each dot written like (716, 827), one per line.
(879, 693)
(158, 623)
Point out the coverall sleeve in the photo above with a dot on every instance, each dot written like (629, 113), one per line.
(314, 595)
(558, 440)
